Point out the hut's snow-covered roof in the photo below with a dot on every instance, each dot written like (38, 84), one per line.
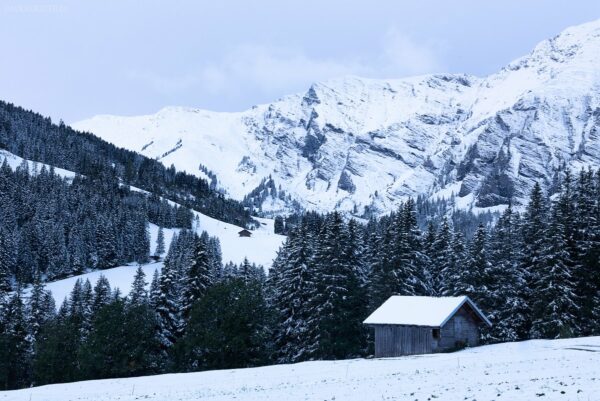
(420, 311)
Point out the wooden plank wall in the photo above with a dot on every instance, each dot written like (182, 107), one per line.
(461, 327)
(393, 340)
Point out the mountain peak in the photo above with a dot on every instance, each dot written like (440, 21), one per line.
(363, 145)
(579, 43)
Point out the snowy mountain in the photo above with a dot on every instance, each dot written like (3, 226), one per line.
(360, 145)
(550, 369)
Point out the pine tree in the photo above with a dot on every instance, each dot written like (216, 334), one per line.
(474, 279)
(86, 308)
(141, 243)
(439, 255)
(76, 252)
(333, 313)
(230, 271)
(106, 243)
(7, 261)
(198, 278)
(215, 257)
(595, 317)
(57, 349)
(15, 357)
(40, 307)
(402, 268)
(506, 305)
(586, 237)
(121, 343)
(154, 294)
(410, 271)
(356, 307)
(293, 287)
(102, 294)
(378, 271)
(139, 294)
(533, 234)
(76, 304)
(554, 306)
(57, 256)
(451, 273)
(167, 307)
(278, 225)
(228, 328)
(160, 243)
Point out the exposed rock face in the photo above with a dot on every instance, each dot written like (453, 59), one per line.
(352, 143)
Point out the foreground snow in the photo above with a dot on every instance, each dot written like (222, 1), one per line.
(544, 369)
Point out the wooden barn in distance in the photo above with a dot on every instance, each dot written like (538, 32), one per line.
(408, 325)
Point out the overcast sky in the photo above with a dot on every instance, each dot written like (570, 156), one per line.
(75, 59)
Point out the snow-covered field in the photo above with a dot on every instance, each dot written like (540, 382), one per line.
(531, 370)
(261, 248)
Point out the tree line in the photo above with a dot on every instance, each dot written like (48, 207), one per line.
(195, 314)
(535, 274)
(56, 226)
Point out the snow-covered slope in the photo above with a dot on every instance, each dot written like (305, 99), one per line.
(261, 248)
(531, 370)
(120, 277)
(352, 143)
(15, 161)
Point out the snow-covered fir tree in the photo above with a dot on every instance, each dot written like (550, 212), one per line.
(554, 305)
(506, 304)
(452, 271)
(138, 294)
(293, 286)
(198, 277)
(102, 294)
(160, 243)
(168, 306)
(338, 284)
(440, 256)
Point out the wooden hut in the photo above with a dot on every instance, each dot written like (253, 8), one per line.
(406, 325)
(245, 233)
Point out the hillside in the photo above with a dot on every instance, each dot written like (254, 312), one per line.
(34, 137)
(72, 202)
(363, 145)
(538, 369)
(261, 249)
